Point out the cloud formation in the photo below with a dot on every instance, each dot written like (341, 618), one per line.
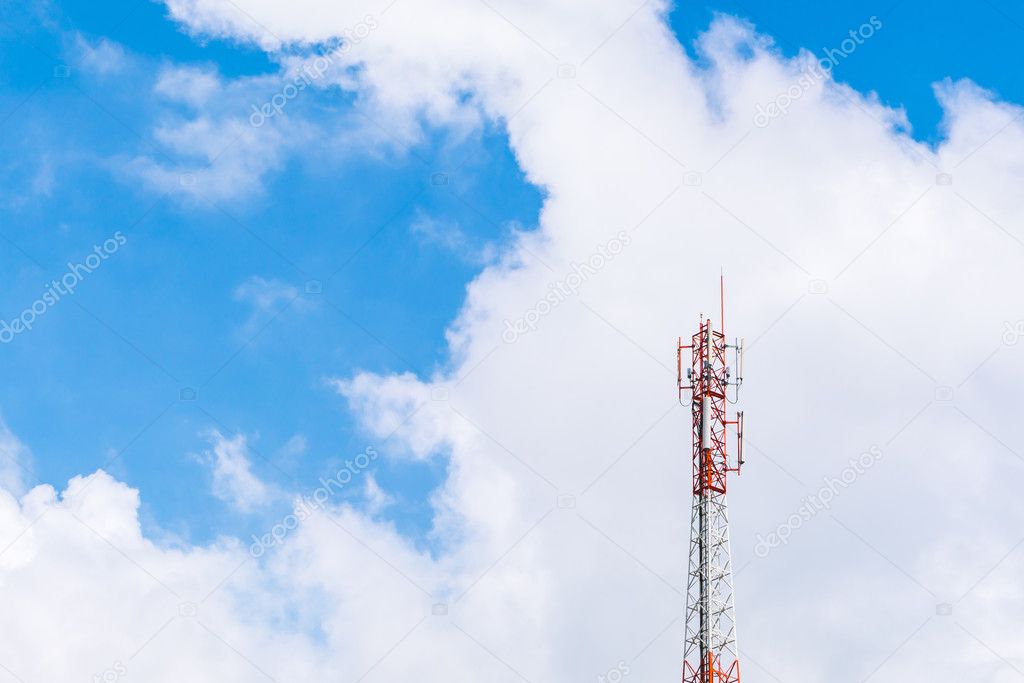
(874, 278)
(233, 478)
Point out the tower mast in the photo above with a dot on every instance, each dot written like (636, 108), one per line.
(711, 653)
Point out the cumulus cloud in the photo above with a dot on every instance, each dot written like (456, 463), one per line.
(874, 278)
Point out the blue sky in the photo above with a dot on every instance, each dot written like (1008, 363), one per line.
(920, 43)
(97, 381)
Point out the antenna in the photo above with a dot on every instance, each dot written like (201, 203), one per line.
(711, 653)
(721, 299)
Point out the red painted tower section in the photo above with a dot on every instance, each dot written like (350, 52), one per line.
(711, 652)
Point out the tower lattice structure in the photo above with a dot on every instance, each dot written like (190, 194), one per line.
(711, 653)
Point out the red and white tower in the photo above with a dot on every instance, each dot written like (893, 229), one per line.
(711, 653)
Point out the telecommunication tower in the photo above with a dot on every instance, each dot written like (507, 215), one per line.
(711, 653)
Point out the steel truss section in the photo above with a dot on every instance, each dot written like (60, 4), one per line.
(711, 652)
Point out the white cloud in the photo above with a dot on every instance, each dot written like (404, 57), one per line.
(268, 299)
(265, 295)
(15, 459)
(218, 158)
(450, 237)
(206, 146)
(377, 499)
(233, 479)
(188, 84)
(293, 448)
(103, 58)
(863, 286)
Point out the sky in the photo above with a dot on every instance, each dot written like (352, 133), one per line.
(257, 255)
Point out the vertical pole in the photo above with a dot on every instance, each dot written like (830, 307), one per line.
(721, 299)
(705, 501)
